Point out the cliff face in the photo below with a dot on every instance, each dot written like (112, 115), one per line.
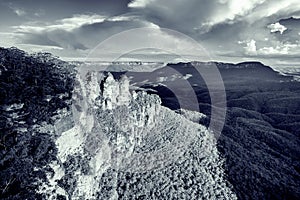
(126, 145)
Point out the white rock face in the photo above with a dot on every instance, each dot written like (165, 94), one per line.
(125, 145)
(115, 93)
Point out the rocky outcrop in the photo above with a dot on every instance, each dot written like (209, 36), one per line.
(125, 145)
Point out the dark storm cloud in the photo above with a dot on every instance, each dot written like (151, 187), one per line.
(292, 21)
(58, 38)
(184, 16)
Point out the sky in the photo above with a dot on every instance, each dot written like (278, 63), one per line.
(229, 30)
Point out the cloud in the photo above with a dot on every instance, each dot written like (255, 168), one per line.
(35, 48)
(278, 49)
(224, 27)
(8, 39)
(67, 24)
(143, 42)
(234, 11)
(250, 48)
(194, 15)
(290, 35)
(39, 13)
(77, 33)
(277, 27)
(219, 24)
(18, 11)
(139, 3)
(201, 19)
(60, 33)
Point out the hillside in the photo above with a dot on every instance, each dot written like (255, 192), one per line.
(260, 140)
